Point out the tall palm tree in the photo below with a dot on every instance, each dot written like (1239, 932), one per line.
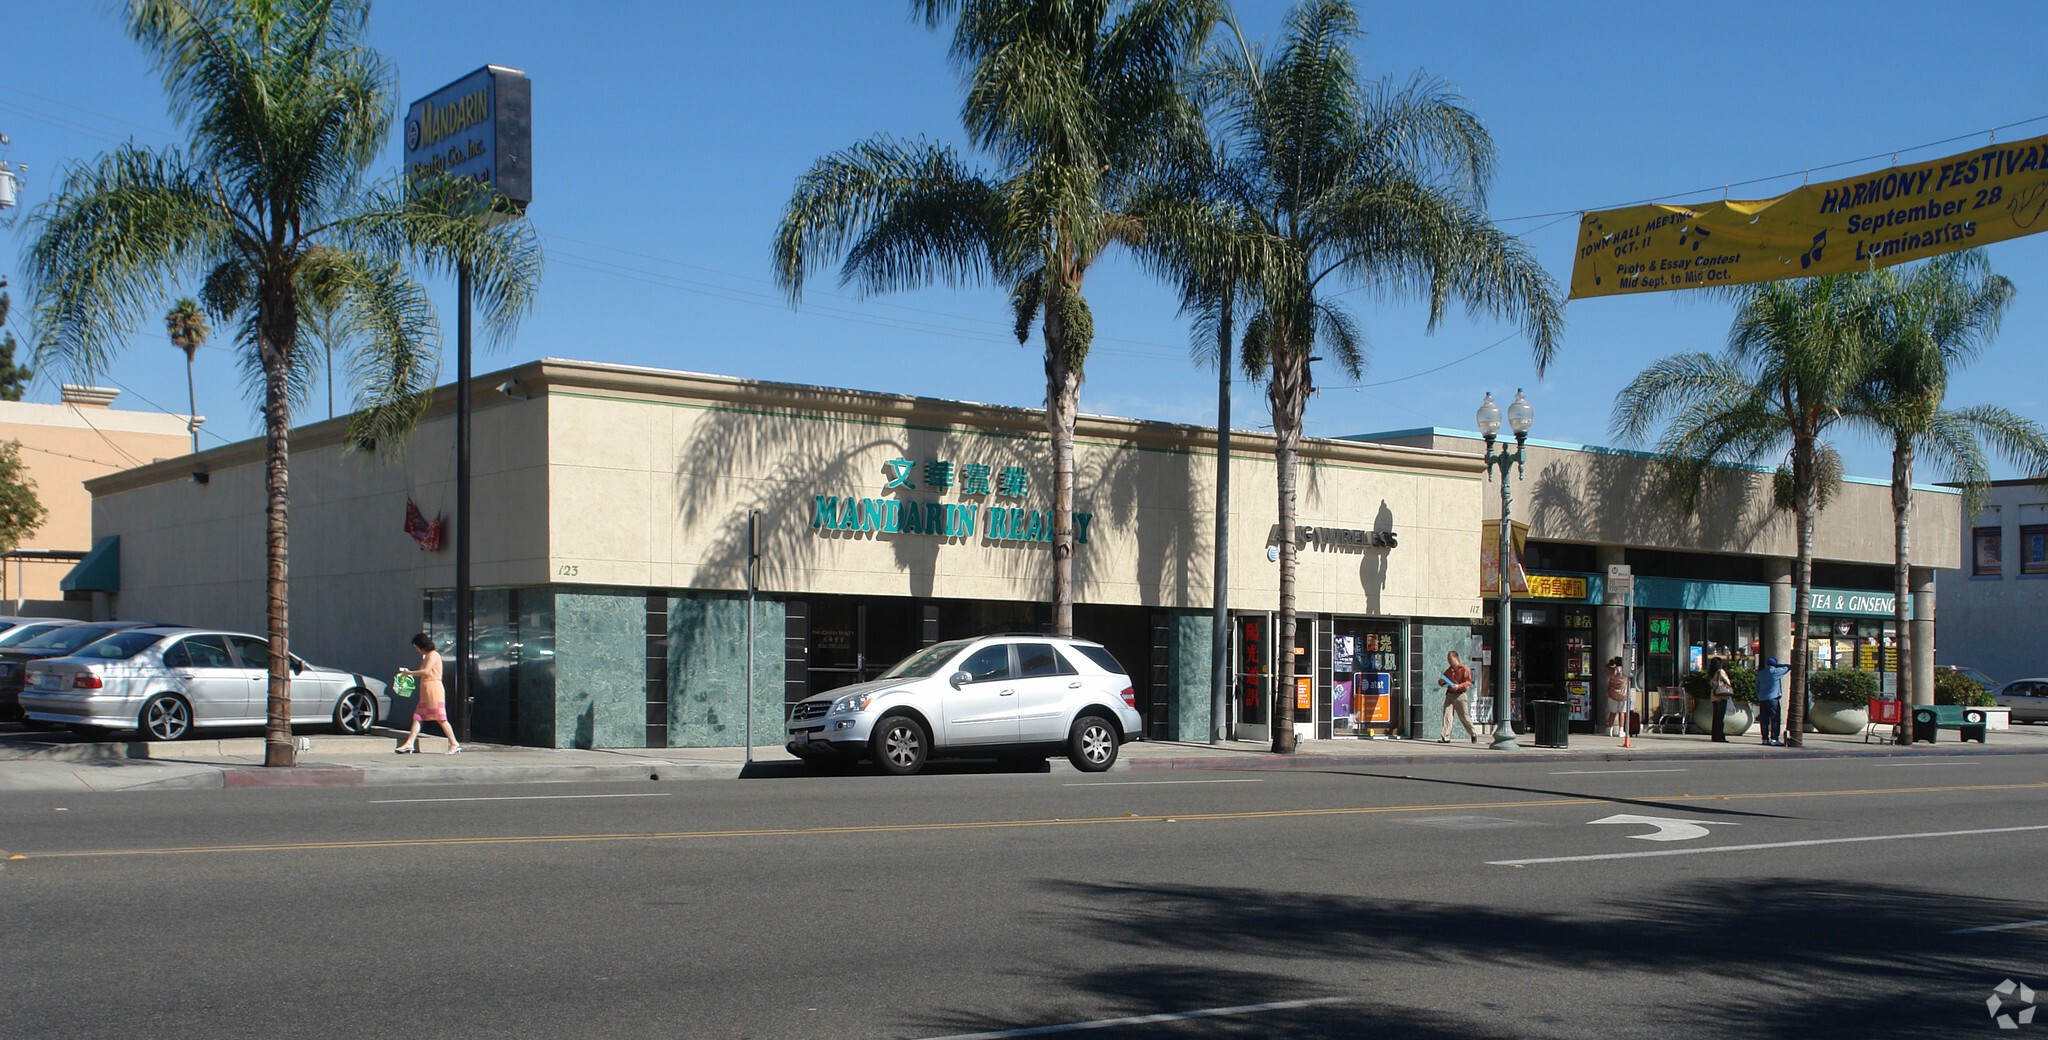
(285, 111)
(1377, 185)
(1796, 353)
(1076, 100)
(1937, 317)
(187, 327)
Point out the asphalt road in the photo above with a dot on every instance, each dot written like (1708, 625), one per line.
(1806, 899)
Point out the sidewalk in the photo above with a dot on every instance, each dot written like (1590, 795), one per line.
(32, 761)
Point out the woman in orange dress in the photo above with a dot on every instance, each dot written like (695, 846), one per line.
(432, 706)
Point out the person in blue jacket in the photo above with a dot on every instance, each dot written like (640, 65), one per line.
(1770, 686)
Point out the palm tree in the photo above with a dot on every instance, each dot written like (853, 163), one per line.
(1938, 316)
(188, 330)
(1381, 186)
(285, 111)
(1796, 353)
(1076, 99)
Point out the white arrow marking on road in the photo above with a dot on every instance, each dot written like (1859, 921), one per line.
(1667, 829)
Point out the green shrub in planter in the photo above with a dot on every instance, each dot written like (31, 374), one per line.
(1741, 678)
(1959, 689)
(1841, 684)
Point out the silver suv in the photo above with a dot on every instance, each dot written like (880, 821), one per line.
(1010, 696)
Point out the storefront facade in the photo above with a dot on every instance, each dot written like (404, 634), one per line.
(615, 506)
(1717, 583)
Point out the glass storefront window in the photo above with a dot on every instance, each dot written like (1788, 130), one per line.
(1365, 675)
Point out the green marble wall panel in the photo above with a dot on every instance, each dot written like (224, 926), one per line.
(707, 670)
(1193, 640)
(537, 723)
(1436, 639)
(600, 669)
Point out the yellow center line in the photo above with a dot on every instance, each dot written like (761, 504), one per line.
(913, 828)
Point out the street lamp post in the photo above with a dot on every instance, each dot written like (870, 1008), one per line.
(1520, 416)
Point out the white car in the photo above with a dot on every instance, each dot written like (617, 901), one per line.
(1011, 696)
(167, 682)
(2028, 699)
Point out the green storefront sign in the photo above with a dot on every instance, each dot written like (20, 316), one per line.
(994, 521)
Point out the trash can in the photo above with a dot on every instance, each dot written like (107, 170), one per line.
(1553, 720)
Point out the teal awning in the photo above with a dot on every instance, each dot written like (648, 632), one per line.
(100, 571)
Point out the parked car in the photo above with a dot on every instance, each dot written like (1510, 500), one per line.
(1010, 696)
(59, 639)
(167, 682)
(2028, 699)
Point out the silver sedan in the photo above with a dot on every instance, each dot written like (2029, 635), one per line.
(166, 682)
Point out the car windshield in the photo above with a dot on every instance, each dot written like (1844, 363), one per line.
(70, 637)
(22, 633)
(120, 646)
(924, 662)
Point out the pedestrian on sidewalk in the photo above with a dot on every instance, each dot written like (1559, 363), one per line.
(1617, 698)
(432, 706)
(1457, 682)
(1769, 689)
(1720, 688)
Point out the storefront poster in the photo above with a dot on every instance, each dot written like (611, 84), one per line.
(1304, 693)
(1340, 700)
(1342, 651)
(1375, 698)
(1577, 694)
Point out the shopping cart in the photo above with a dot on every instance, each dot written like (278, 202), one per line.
(1670, 710)
(1884, 718)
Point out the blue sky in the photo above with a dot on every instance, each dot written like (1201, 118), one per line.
(667, 138)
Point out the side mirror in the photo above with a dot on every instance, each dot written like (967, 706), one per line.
(297, 665)
(959, 679)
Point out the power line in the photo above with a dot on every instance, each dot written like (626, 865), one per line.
(1893, 153)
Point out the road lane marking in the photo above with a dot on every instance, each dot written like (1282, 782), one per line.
(1604, 772)
(1996, 927)
(1139, 1020)
(1763, 845)
(1952, 762)
(1668, 829)
(1153, 783)
(516, 798)
(909, 828)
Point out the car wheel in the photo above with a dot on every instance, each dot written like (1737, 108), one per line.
(166, 717)
(356, 712)
(899, 745)
(1093, 744)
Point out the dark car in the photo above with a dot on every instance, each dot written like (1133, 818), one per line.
(59, 641)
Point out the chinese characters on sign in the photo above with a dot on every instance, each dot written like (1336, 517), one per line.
(995, 521)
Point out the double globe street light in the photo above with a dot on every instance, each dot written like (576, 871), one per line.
(1520, 417)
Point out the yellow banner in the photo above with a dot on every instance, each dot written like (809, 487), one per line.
(1489, 558)
(1878, 219)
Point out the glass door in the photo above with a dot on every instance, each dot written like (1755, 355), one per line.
(1251, 681)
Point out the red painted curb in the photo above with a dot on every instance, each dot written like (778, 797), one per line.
(324, 776)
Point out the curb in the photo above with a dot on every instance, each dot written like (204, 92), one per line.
(1298, 761)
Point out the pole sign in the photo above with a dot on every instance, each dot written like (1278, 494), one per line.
(479, 127)
(1878, 219)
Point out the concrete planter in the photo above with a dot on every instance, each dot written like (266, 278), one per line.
(1841, 718)
(1734, 724)
(1997, 718)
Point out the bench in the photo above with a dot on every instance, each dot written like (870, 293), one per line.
(1967, 722)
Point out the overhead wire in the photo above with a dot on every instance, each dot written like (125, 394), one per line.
(743, 296)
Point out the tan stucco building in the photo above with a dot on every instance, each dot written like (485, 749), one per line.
(614, 509)
(1716, 581)
(63, 446)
